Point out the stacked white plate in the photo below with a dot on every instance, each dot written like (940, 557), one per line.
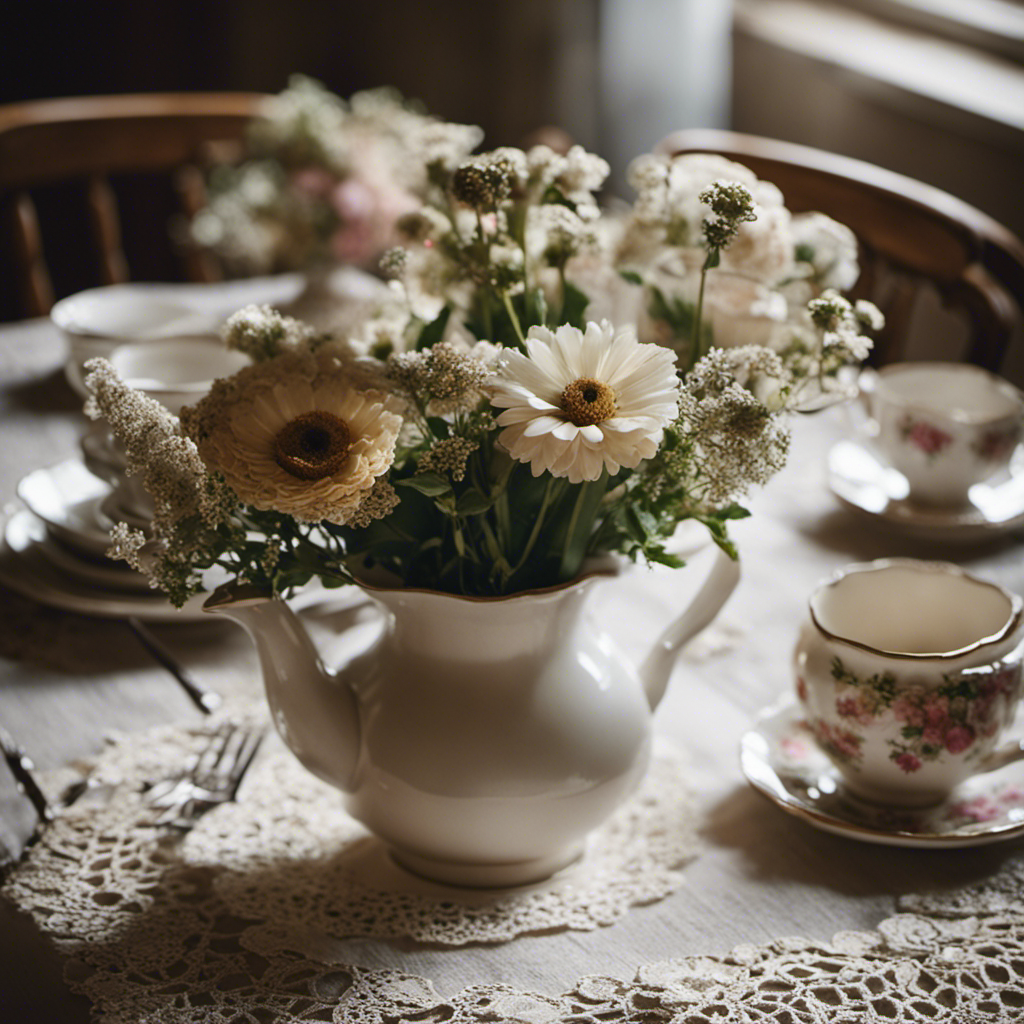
(54, 550)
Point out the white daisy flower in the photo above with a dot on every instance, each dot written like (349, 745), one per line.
(578, 403)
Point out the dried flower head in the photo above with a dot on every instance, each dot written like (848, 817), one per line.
(441, 377)
(190, 505)
(448, 457)
(731, 205)
(735, 439)
(484, 181)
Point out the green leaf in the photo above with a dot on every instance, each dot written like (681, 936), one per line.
(439, 427)
(434, 331)
(472, 503)
(631, 276)
(804, 253)
(662, 557)
(431, 484)
(574, 303)
(733, 511)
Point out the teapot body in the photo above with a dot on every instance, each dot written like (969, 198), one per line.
(481, 739)
(496, 734)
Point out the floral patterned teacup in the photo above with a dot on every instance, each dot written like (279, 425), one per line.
(944, 426)
(909, 673)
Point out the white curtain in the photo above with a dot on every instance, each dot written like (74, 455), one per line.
(663, 65)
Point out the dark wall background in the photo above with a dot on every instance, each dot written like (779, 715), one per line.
(494, 64)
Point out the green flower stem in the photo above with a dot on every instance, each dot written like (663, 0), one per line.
(537, 523)
(500, 570)
(581, 524)
(512, 316)
(697, 348)
(502, 519)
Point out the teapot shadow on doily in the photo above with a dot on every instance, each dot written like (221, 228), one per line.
(775, 846)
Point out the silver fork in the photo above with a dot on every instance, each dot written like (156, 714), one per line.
(214, 778)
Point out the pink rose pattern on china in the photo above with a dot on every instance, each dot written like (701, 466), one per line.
(946, 720)
(996, 445)
(925, 436)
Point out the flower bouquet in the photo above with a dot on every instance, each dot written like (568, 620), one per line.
(323, 180)
(489, 427)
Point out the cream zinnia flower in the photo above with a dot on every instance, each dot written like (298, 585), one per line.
(578, 402)
(292, 434)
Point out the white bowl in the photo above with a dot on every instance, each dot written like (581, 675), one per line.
(175, 371)
(96, 321)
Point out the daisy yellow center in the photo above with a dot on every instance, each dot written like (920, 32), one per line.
(588, 401)
(313, 445)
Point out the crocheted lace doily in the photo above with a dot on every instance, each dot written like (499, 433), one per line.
(236, 922)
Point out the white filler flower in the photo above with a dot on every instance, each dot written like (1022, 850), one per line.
(578, 403)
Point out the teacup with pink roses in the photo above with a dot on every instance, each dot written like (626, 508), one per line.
(909, 674)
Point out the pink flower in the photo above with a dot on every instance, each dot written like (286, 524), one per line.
(908, 762)
(314, 181)
(906, 710)
(979, 808)
(996, 444)
(934, 735)
(851, 707)
(929, 439)
(959, 738)
(936, 710)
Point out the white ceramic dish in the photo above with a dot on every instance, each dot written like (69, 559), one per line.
(868, 487)
(176, 371)
(103, 573)
(781, 760)
(68, 498)
(25, 569)
(96, 321)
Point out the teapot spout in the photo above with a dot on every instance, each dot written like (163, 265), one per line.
(657, 666)
(316, 714)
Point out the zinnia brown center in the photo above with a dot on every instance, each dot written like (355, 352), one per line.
(588, 401)
(313, 445)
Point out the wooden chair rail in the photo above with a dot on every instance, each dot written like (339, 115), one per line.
(92, 139)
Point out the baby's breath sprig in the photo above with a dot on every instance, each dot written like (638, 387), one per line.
(731, 205)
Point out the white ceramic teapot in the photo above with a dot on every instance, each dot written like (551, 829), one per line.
(480, 738)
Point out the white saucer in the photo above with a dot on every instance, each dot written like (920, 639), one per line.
(25, 569)
(67, 497)
(106, 573)
(781, 760)
(868, 487)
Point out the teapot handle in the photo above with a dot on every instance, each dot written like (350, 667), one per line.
(706, 604)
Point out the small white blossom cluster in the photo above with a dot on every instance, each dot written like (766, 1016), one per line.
(189, 503)
(737, 442)
(324, 179)
(261, 332)
(441, 378)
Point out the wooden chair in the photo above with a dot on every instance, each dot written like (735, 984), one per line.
(911, 236)
(91, 141)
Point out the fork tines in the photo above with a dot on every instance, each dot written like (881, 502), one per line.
(214, 778)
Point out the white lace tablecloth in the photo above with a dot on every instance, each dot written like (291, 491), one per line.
(244, 917)
(887, 934)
